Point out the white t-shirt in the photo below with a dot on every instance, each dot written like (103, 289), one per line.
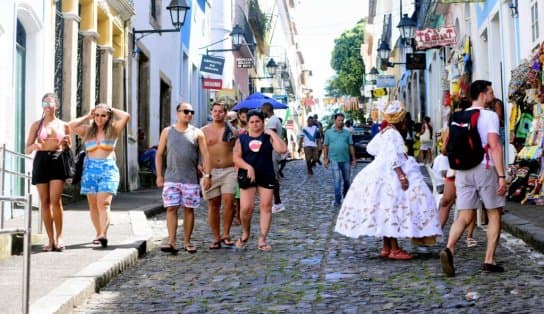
(488, 122)
(312, 130)
(440, 164)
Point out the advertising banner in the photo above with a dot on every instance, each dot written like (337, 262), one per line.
(435, 37)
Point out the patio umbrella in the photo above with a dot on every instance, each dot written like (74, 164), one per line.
(257, 100)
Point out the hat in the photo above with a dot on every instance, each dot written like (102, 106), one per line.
(393, 112)
(231, 116)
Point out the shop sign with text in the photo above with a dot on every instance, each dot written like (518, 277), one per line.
(460, 1)
(386, 81)
(244, 63)
(379, 92)
(211, 64)
(435, 37)
(208, 83)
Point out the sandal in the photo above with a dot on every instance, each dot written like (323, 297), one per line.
(265, 247)
(227, 241)
(400, 255)
(216, 245)
(48, 248)
(385, 252)
(60, 247)
(95, 241)
(241, 244)
(471, 242)
(169, 249)
(190, 248)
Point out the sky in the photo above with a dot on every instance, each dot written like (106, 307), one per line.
(319, 22)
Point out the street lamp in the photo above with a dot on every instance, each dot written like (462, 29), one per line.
(178, 12)
(372, 75)
(384, 50)
(237, 35)
(271, 67)
(407, 28)
(514, 8)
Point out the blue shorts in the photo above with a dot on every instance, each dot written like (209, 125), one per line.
(181, 194)
(99, 176)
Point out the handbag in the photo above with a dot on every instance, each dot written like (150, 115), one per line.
(243, 181)
(79, 167)
(69, 162)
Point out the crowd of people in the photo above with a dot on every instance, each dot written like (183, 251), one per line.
(239, 155)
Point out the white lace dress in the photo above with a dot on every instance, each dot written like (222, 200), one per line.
(376, 205)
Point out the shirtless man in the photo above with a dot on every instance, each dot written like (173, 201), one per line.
(220, 146)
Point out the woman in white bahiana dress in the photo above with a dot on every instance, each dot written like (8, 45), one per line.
(389, 197)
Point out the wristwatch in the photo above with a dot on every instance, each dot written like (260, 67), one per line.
(207, 175)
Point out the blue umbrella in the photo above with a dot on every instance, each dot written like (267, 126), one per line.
(257, 100)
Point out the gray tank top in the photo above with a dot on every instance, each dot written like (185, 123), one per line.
(182, 156)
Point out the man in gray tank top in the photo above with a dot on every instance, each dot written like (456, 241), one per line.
(183, 143)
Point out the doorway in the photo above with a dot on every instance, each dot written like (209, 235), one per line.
(20, 91)
(165, 106)
(143, 102)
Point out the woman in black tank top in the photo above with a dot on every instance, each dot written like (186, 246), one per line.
(253, 157)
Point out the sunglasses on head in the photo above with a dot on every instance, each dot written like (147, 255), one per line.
(187, 111)
(46, 104)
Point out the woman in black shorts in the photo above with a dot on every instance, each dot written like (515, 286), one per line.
(253, 154)
(47, 137)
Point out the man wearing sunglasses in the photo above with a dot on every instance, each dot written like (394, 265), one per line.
(220, 138)
(183, 143)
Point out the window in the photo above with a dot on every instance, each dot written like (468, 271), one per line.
(534, 21)
(155, 13)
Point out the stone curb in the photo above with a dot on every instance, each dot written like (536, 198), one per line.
(523, 229)
(76, 290)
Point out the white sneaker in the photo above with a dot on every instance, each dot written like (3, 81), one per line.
(276, 208)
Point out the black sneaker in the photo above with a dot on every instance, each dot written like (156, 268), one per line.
(446, 260)
(491, 268)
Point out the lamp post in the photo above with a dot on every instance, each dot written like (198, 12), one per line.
(271, 68)
(407, 27)
(178, 12)
(237, 35)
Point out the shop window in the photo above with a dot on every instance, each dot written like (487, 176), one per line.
(534, 21)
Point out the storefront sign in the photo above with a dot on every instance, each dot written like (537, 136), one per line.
(211, 64)
(435, 37)
(379, 92)
(208, 83)
(416, 61)
(244, 63)
(386, 81)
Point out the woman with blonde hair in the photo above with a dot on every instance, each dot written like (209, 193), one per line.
(389, 198)
(47, 137)
(100, 178)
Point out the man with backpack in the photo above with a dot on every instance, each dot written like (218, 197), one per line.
(475, 151)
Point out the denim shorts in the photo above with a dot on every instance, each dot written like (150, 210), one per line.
(99, 176)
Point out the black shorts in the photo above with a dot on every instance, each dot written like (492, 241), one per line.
(47, 166)
(265, 182)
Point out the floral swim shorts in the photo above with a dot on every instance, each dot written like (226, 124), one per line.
(181, 194)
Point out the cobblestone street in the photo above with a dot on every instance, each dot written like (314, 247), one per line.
(311, 269)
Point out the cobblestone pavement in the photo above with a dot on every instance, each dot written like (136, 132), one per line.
(311, 269)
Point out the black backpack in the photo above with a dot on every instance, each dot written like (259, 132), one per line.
(464, 147)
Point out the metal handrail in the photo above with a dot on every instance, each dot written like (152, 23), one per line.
(4, 171)
(27, 232)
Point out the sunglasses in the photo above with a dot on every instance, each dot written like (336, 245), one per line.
(46, 104)
(101, 115)
(187, 111)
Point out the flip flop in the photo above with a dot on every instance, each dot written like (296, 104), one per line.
(169, 249)
(60, 247)
(215, 245)
(190, 248)
(265, 247)
(241, 244)
(95, 241)
(47, 248)
(471, 242)
(227, 241)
